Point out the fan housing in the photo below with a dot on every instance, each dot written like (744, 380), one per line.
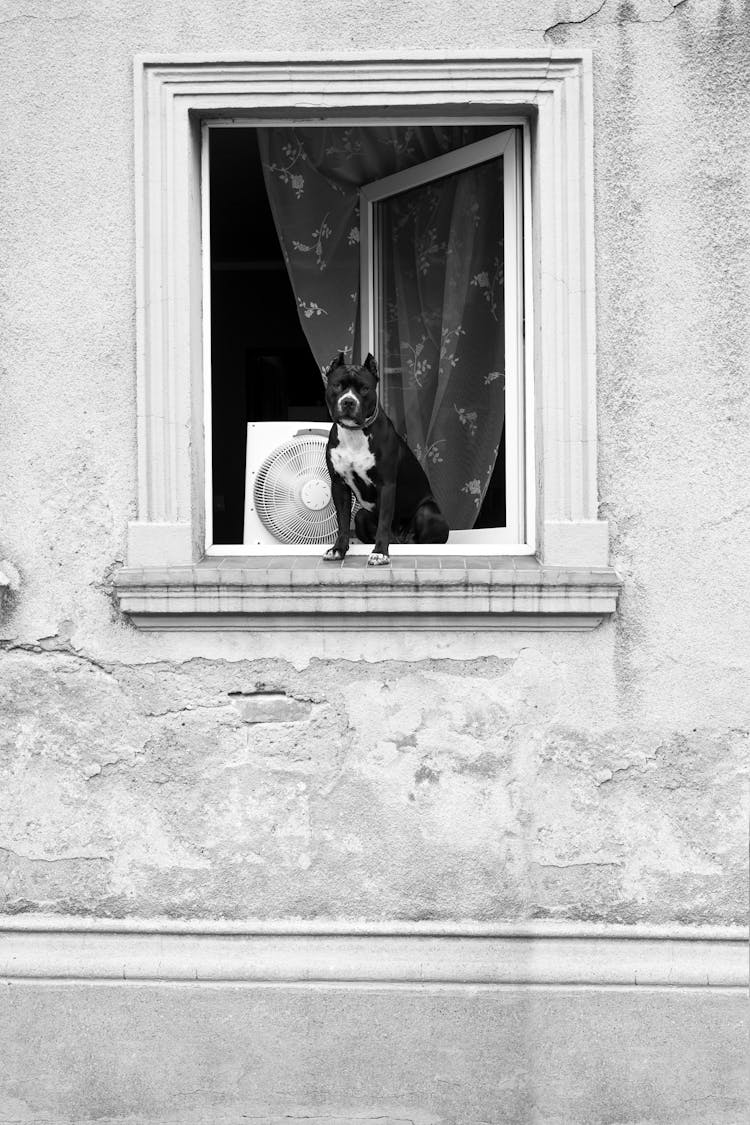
(287, 486)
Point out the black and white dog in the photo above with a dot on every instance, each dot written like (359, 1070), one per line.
(366, 456)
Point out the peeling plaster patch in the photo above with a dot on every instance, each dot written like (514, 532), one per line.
(409, 742)
(10, 585)
(424, 773)
(40, 882)
(59, 640)
(274, 707)
(402, 789)
(485, 765)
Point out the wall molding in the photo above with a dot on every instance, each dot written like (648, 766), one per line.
(551, 88)
(40, 948)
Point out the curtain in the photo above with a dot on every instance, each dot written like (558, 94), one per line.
(440, 303)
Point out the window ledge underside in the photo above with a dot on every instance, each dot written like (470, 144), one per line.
(289, 592)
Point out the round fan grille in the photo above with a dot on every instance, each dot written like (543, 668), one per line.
(292, 491)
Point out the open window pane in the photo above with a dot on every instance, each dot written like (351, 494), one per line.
(439, 330)
(263, 372)
(440, 281)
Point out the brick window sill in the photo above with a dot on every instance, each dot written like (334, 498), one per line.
(288, 592)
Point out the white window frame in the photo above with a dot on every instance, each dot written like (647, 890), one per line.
(517, 538)
(569, 583)
(509, 145)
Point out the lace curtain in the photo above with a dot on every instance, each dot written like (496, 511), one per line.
(440, 298)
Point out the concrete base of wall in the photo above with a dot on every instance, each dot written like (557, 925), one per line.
(211, 1053)
(394, 1051)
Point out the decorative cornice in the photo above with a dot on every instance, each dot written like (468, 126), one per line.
(349, 69)
(543, 954)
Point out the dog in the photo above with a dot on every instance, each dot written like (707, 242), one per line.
(366, 456)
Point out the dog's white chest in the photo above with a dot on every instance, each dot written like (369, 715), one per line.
(353, 458)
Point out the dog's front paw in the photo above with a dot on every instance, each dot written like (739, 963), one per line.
(334, 554)
(376, 559)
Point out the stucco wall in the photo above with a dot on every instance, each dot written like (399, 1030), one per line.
(488, 776)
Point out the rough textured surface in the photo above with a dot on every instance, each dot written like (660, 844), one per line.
(587, 776)
(422, 789)
(477, 786)
(229, 1055)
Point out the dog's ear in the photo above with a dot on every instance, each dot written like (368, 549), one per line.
(371, 366)
(338, 361)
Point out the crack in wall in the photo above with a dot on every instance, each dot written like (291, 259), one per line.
(190, 709)
(574, 23)
(50, 645)
(626, 14)
(329, 1117)
(638, 767)
(728, 517)
(583, 863)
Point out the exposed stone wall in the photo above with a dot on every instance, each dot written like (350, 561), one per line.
(494, 776)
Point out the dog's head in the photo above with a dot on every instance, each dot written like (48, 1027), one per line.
(351, 391)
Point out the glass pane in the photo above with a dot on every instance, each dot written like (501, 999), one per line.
(440, 335)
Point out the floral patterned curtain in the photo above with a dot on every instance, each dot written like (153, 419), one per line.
(441, 306)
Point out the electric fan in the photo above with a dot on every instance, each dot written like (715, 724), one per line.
(288, 489)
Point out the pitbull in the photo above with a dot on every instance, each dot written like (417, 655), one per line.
(366, 456)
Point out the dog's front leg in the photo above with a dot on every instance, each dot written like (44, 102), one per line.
(342, 502)
(387, 504)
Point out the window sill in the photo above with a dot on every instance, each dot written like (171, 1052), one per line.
(289, 592)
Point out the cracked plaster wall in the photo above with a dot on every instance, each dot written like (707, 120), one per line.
(494, 776)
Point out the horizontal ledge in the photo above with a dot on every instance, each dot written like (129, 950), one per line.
(371, 958)
(352, 927)
(287, 593)
(322, 620)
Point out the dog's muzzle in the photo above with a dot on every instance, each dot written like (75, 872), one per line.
(349, 408)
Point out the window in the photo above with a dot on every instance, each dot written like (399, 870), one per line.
(404, 241)
(477, 296)
(171, 580)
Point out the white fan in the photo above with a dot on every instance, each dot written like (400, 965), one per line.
(288, 489)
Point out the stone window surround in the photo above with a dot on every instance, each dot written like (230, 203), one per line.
(166, 582)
